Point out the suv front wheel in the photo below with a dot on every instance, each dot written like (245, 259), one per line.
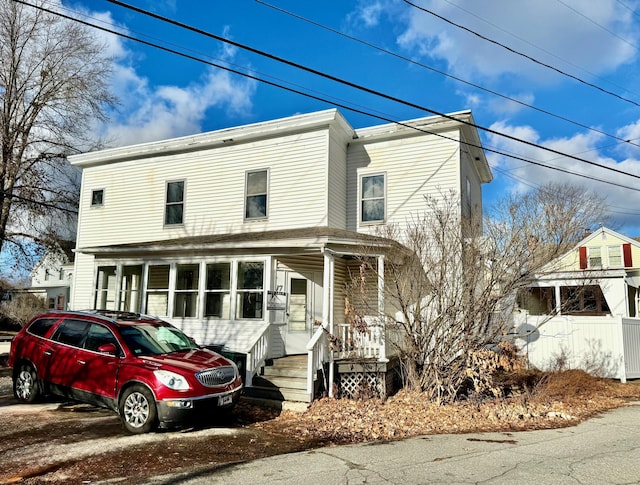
(25, 384)
(138, 410)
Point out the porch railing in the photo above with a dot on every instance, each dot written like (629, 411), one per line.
(257, 354)
(371, 344)
(318, 353)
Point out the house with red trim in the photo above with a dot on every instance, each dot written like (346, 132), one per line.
(246, 237)
(583, 310)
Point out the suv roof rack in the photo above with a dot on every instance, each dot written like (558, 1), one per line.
(116, 314)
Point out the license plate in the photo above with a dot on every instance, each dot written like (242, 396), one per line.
(224, 400)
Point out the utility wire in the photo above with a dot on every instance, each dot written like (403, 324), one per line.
(443, 73)
(599, 25)
(535, 46)
(311, 96)
(358, 86)
(510, 49)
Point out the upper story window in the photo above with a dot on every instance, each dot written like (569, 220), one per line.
(372, 198)
(97, 198)
(256, 192)
(614, 254)
(595, 257)
(174, 207)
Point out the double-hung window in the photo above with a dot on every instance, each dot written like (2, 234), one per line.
(614, 254)
(157, 302)
(218, 291)
(256, 194)
(105, 296)
(372, 198)
(186, 292)
(174, 206)
(595, 257)
(250, 290)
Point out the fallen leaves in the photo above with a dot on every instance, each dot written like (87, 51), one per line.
(561, 399)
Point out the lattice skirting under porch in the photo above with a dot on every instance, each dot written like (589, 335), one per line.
(358, 381)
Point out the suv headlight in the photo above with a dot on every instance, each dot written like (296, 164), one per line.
(172, 380)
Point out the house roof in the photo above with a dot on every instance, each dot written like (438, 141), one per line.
(312, 239)
(218, 138)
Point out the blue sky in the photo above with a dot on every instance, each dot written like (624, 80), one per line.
(589, 88)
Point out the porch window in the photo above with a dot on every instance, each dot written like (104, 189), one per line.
(157, 302)
(615, 256)
(584, 300)
(595, 257)
(174, 207)
(372, 198)
(537, 301)
(186, 292)
(105, 296)
(130, 285)
(218, 291)
(256, 191)
(250, 290)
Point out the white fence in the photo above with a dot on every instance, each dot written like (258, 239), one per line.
(608, 346)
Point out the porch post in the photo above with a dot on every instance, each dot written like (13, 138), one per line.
(327, 308)
(558, 307)
(381, 316)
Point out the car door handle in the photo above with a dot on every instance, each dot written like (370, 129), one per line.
(48, 353)
(81, 362)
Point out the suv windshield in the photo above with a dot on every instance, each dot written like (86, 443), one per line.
(155, 339)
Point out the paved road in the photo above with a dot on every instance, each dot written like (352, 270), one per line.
(603, 450)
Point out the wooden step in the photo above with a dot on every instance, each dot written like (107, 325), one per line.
(283, 379)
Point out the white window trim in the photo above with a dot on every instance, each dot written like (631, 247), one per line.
(184, 204)
(246, 195)
(609, 264)
(362, 223)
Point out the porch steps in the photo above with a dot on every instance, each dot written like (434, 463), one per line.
(282, 379)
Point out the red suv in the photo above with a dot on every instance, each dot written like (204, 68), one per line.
(143, 368)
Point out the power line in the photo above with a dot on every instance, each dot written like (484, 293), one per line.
(358, 86)
(344, 106)
(443, 73)
(599, 25)
(510, 49)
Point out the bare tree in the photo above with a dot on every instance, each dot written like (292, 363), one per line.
(450, 290)
(53, 85)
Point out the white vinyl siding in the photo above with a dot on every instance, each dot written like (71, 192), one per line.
(414, 167)
(215, 197)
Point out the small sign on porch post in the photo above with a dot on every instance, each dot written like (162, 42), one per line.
(277, 300)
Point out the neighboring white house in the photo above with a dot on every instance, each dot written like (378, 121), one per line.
(583, 310)
(51, 277)
(244, 237)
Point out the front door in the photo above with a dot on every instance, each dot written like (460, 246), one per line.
(299, 316)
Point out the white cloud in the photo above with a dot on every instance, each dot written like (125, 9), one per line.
(368, 13)
(148, 112)
(518, 175)
(546, 30)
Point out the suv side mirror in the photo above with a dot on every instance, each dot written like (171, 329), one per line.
(108, 349)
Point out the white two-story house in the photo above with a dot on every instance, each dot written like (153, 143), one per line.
(244, 237)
